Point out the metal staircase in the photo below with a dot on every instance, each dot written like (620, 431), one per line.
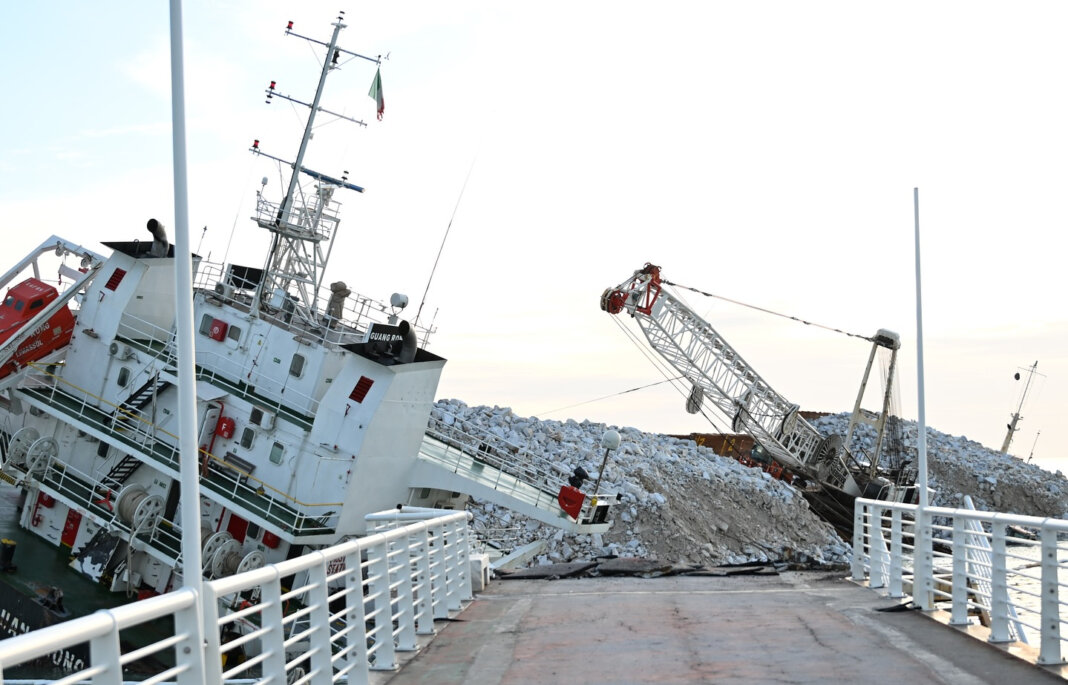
(120, 472)
(140, 399)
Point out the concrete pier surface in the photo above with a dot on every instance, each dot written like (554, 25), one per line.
(795, 627)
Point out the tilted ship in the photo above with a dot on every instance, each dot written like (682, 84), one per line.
(315, 408)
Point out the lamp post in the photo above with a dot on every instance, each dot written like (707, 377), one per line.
(609, 441)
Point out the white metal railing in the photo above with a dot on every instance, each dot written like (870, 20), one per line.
(357, 604)
(358, 311)
(995, 569)
(529, 477)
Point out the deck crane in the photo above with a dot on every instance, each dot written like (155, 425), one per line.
(833, 476)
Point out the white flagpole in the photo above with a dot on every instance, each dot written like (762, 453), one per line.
(183, 276)
(922, 446)
(923, 576)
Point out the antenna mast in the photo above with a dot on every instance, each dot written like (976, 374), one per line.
(1016, 416)
(302, 223)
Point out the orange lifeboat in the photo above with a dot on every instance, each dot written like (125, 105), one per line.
(23, 302)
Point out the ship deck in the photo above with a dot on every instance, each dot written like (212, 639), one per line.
(796, 627)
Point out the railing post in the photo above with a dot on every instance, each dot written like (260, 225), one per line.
(860, 508)
(378, 582)
(318, 598)
(878, 551)
(106, 650)
(405, 599)
(463, 560)
(999, 585)
(191, 651)
(438, 584)
(959, 582)
(423, 607)
(354, 665)
(212, 659)
(1050, 650)
(274, 648)
(450, 548)
(896, 557)
(923, 562)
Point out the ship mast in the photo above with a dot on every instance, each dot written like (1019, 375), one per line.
(304, 221)
(1016, 416)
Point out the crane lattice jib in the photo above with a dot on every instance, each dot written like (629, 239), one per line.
(701, 355)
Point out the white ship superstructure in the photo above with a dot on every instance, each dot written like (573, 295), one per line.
(313, 403)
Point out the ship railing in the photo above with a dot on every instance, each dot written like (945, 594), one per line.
(358, 312)
(220, 478)
(316, 221)
(82, 492)
(1001, 575)
(364, 603)
(230, 373)
(518, 472)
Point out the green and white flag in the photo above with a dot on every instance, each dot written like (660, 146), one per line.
(376, 93)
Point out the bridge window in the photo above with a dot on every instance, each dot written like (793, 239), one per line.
(247, 436)
(277, 450)
(296, 367)
(124, 376)
(205, 324)
(234, 333)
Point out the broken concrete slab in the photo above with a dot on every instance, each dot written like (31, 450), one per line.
(564, 570)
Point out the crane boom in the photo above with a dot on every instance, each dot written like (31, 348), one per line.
(720, 375)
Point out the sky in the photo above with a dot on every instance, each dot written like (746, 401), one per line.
(532, 155)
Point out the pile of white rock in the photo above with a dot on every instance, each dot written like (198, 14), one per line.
(677, 502)
(682, 504)
(958, 466)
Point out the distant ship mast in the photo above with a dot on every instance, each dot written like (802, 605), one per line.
(1016, 416)
(303, 223)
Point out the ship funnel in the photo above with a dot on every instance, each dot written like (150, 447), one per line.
(160, 244)
(407, 346)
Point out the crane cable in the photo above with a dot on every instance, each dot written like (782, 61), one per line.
(658, 362)
(768, 311)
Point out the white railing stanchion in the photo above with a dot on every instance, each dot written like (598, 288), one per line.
(271, 617)
(355, 661)
(960, 574)
(318, 598)
(379, 594)
(406, 641)
(897, 589)
(878, 550)
(423, 609)
(860, 531)
(104, 649)
(463, 561)
(192, 649)
(450, 546)
(210, 616)
(999, 586)
(1050, 646)
(923, 566)
(438, 587)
